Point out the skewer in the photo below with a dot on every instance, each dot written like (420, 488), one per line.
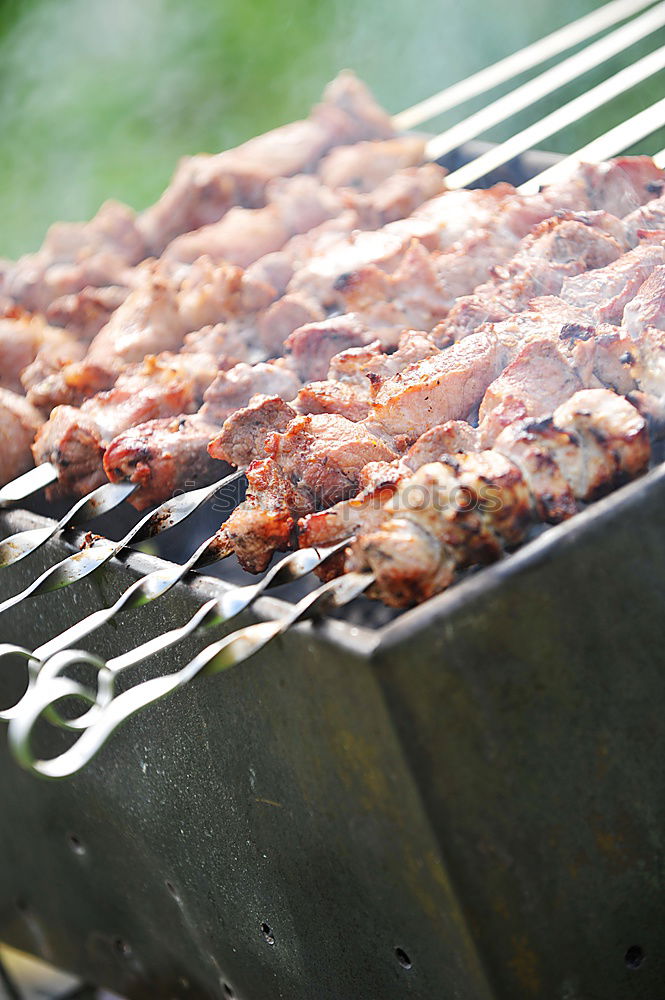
(27, 484)
(100, 501)
(580, 106)
(228, 652)
(546, 83)
(505, 69)
(609, 144)
(659, 159)
(51, 659)
(81, 564)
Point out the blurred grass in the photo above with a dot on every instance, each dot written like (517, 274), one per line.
(99, 100)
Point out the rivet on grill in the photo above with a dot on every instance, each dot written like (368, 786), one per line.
(75, 844)
(268, 934)
(634, 957)
(403, 958)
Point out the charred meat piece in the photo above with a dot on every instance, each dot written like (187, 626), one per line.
(164, 457)
(19, 422)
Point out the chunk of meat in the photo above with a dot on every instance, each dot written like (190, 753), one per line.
(74, 438)
(557, 248)
(647, 308)
(243, 434)
(233, 389)
(264, 523)
(205, 187)
(19, 422)
(243, 235)
(448, 386)
(329, 396)
(164, 457)
(324, 455)
(210, 293)
(312, 346)
(604, 293)
(23, 339)
(84, 313)
(364, 165)
(539, 379)
(75, 255)
(445, 439)
(397, 196)
(413, 297)
(648, 217)
(283, 317)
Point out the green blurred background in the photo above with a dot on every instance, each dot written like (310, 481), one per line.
(99, 98)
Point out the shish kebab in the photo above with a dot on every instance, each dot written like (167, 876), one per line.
(110, 233)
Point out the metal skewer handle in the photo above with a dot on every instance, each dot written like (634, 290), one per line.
(228, 652)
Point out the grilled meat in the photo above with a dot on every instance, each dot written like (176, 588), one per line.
(163, 457)
(205, 187)
(19, 422)
(464, 510)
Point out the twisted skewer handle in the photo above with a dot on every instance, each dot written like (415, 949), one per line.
(100, 501)
(81, 564)
(104, 719)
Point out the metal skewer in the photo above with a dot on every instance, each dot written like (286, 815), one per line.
(580, 106)
(230, 651)
(545, 48)
(604, 147)
(27, 484)
(100, 501)
(546, 83)
(81, 564)
(51, 659)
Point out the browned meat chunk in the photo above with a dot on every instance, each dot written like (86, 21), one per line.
(19, 422)
(448, 386)
(329, 396)
(85, 313)
(233, 389)
(536, 381)
(604, 293)
(74, 439)
(312, 346)
(324, 455)
(445, 439)
(647, 308)
(164, 457)
(243, 435)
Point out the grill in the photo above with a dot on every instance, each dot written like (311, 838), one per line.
(376, 804)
